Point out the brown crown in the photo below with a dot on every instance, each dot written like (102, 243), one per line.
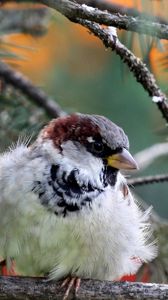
(73, 127)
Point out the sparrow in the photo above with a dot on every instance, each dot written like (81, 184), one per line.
(65, 207)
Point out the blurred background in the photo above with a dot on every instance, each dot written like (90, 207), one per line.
(76, 70)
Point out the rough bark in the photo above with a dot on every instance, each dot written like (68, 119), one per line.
(21, 288)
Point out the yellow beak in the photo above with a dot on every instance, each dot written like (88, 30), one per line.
(122, 160)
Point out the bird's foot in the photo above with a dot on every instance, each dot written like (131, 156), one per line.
(71, 282)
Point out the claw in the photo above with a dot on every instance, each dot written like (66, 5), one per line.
(77, 285)
(70, 285)
(65, 282)
(70, 282)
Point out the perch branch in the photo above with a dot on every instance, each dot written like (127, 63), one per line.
(147, 180)
(23, 84)
(39, 289)
(73, 10)
(30, 21)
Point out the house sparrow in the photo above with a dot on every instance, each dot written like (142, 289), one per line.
(65, 208)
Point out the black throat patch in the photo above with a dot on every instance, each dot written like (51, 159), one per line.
(109, 175)
(63, 194)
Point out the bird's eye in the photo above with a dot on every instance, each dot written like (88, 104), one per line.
(97, 147)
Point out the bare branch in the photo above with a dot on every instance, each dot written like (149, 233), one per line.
(31, 21)
(136, 66)
(20, 82)
(22, 288)
(145, 158)
(73, 10)
(122, 9)
(147, 180)
(77, 13)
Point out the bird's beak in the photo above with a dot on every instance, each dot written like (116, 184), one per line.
(122, 160)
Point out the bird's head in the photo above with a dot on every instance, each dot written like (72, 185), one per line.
(86, 152)
(90, 136)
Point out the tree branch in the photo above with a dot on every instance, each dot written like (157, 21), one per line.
(20, 82)
(147, 180)
(31, 21)
(22, 288)
(136, 66)
(77, 13)
(73, 10)
(122, 9)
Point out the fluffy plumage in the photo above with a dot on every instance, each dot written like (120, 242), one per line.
(65, 211)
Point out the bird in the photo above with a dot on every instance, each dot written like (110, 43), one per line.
(65, 207)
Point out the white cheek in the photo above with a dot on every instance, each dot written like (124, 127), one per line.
(76, 156)
(75, 152)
